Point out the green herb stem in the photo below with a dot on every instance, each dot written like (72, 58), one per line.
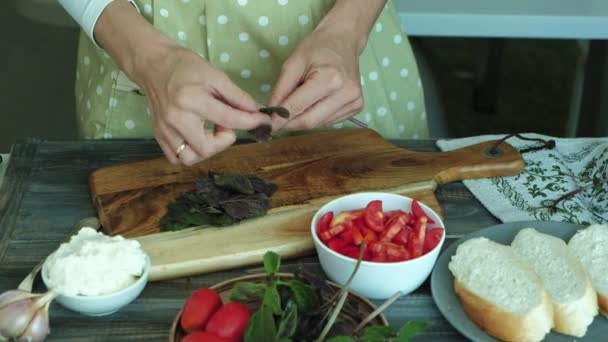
(333, 317)
(343, 295)
(376, 312)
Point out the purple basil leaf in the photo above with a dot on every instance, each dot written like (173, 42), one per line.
(208, 192)
(245, 206)
(260, 185)
(234, 182)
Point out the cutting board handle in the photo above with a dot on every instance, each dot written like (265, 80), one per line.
(478, 161)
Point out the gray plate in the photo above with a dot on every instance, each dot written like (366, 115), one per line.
(449, 304)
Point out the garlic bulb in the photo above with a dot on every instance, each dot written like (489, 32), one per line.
(24, 315)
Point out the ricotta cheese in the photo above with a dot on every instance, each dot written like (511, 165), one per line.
(93, 264)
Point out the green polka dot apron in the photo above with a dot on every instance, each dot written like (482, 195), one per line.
(249, 40)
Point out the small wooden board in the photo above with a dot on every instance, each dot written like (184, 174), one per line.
(309, 170)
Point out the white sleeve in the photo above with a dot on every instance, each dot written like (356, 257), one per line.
(86, 12)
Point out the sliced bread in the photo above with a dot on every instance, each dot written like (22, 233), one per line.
(500, 291)
(591, 246)
(574, 299)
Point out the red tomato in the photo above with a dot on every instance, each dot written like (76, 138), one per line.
(374, 217)
(419, 212)
(230, 321)
(324, 221)
(433, 236)
(369, 235)
(203, 336)
(199, 307)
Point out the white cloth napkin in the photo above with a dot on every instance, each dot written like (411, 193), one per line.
(548, 174)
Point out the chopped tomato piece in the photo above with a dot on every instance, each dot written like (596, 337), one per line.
(374, 217)
(357, 236)
(401, 238)
(324, 221)
(342, 217)
(332, 231)
(392, 213)
(336, 244)
(350, 251)
(432, 238)
(347, 235)
(418, 212)
(369, 235)
(416, 240)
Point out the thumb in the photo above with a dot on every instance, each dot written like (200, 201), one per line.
(231, 94)
(291, 76)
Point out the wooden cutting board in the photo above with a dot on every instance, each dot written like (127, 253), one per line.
(309, 170)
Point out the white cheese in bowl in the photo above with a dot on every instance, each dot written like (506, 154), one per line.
(93, 264)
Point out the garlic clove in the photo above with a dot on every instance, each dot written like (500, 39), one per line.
(12, 296)
(15, 317)
(38, 328)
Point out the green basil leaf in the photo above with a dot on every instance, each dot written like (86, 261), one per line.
(288, 321)
(273, 300)
(411, 329)
(261, 326)
(377, 333)
(341, 339)
(272, 262)
(246, 292)
(305, 295)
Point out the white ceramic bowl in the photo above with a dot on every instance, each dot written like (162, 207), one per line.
(105, 304)
(375, 280)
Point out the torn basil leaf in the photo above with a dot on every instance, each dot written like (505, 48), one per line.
(233, 182)
(245, 206)
(219, 199)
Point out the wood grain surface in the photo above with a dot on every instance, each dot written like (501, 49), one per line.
(308, 169)
(46, 192)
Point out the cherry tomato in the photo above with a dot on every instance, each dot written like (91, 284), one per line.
(433, 236)
(374, 217)
(230, 321)
(324, 221)
(203, 336)
(418, 212)
(199, 307)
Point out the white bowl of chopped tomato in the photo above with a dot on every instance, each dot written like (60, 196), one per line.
(402, 238)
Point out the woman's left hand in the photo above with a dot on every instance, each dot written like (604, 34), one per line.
(319, 83)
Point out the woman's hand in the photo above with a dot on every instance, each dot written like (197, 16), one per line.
(184, 90)
(320, 83)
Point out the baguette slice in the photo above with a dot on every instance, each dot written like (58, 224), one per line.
(500, 291)
(591, 246)
(573, 297)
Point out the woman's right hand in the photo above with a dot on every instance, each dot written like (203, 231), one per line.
(184, 91)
